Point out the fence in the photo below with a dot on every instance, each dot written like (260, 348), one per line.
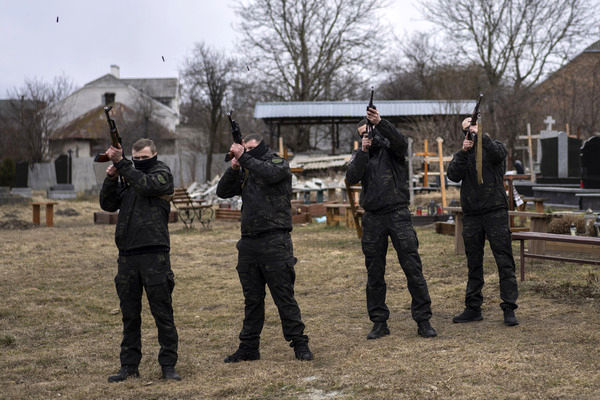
(186, 168)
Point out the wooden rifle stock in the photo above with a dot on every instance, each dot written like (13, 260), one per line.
(115, 138)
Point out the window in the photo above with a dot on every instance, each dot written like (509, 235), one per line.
(109, 98)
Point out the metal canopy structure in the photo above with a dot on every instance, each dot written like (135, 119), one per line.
(349, 112)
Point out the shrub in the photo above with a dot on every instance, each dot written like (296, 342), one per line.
(562, 224)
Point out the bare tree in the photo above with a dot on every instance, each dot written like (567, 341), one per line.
(516, 42)
(208, 76)
(572, 95)
(143, 121)
(308, 50)
(428, 71)
(302, 47)
(34, 113)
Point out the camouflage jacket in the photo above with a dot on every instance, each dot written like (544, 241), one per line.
(265, 184)
(143, 204)
(490, 196)
(382, 170)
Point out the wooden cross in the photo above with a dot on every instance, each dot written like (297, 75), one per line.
(425, 154)
(529, 137)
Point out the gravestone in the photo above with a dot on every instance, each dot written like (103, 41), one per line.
(21, 180)
(590, 163)
(63, 190)
(21, 174)
(61, 164)
(558, 154)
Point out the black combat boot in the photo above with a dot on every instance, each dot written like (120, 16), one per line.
(302, 351)
(509, 317)
(380, 329)
(425, 329)
(125, 372)
(168, 372)
(468, 316)
(243, 355)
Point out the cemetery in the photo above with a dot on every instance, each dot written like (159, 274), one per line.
(402, 211)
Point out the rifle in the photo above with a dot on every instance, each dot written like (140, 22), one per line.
(474, 116)
(115, 138)
(479, 144)
(235, 132)
(370, 130)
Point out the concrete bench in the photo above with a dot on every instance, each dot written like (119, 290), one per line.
(539, 236)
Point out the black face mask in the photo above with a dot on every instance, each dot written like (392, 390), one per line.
(259, 150)
(145, 165)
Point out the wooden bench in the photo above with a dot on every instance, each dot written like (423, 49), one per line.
(538, 222)
(36, 206)
(229, 214)
(190, 209)
(335, 216)
(538, 201)
(539, 236)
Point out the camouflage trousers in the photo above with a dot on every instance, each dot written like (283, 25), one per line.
(268, 260)
(494, 225)
(152, 272)
(398, 226)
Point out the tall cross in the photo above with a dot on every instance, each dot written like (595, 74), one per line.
(549, 121)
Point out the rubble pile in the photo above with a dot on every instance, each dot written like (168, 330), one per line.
(207, 194)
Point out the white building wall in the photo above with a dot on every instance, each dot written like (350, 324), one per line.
(90, 97)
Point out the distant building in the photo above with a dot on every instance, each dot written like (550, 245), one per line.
(571, 95)
(141, 108)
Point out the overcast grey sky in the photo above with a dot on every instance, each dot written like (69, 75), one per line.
(134, 34)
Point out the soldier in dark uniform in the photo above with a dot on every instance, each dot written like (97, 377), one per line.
(142, 237)
(485, 214)
(265, 254)
(381, 166)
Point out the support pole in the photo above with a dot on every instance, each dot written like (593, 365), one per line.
(411, 186)
(442, 177)
(425, 184)
(530, 149)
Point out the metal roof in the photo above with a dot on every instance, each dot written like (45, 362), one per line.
(356, 109)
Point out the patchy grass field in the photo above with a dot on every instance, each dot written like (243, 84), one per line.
(60, 325)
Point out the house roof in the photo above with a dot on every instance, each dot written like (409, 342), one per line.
(93, 125)
(593, 48)
(155, 87)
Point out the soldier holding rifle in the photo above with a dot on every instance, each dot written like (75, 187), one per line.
(380, 165)
(265, 253)
(485, 208)
(142, 237)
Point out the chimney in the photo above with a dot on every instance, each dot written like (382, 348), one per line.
(115, 71)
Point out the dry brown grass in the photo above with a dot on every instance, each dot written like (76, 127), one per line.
(60, 327)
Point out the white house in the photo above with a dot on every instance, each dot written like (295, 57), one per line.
(82, 127)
